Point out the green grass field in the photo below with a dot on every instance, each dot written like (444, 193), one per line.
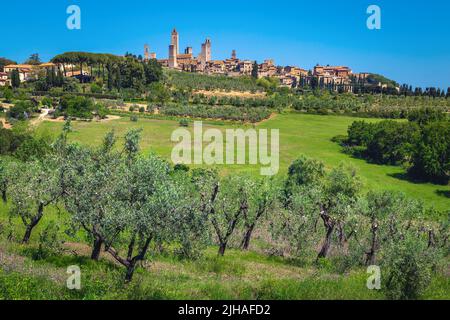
(299, 134)
(238, 275)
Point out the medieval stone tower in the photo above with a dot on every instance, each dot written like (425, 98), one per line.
(146, 52)
(205, 55)
(173, 62)
(175, 41)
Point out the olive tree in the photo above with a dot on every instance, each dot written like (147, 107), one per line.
(390, 215)
(225, 202)
(90, 177)
(295, 225)
(303, 171)
(407, 267)
(35, 186)
(340, 192)
(4, 179)
(262, 195)
(150, 205)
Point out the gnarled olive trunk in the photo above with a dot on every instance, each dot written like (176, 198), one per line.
(222, 248)
(4, 198)
(329, 224)
(130, 262)
(371, 255)
(96, 249)
(247, 237)
(33, 223)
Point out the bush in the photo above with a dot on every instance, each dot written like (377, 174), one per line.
(407, 268)
(76, 106)
(134, 118)
(47, 102)
(184, 123)
(22, 110)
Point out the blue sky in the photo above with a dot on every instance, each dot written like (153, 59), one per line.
(413, 45)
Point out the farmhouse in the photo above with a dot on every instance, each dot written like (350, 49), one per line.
(25, 70)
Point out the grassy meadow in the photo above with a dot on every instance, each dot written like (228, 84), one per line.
(299, 134)
(238, 275)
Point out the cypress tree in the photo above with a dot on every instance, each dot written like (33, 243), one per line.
(15, 79)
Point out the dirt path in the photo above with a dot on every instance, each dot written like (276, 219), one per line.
(11, 262)
(61, 119)
(5, 124)
(42, 115)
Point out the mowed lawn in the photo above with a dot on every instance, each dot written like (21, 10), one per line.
(299, 134)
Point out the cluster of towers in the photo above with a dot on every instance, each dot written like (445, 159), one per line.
(182, 61)
(147, 54)
(175, 58)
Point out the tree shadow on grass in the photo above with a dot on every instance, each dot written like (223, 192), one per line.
(443, 193)
(404, 176)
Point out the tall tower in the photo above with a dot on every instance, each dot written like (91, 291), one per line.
(175, 41)
(146, 52)
(173, 63)
(208, 49)
(205, 54)
(233, 55)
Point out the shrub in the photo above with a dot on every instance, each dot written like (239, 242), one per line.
(184, 123)
(407, 268)
(22, 110)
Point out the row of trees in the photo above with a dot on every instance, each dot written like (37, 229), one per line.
(125, 202)
(117, 72)
(422, 144)
(366, 104)
(208, 82)
(245, 114)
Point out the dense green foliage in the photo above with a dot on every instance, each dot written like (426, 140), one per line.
(79, 107)
(207, 82)
(117, 72)
(23, 144)
(248, 114)
(381, 106)
(422, 144)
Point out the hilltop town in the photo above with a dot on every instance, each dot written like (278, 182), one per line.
(335, 78)
(338, 78)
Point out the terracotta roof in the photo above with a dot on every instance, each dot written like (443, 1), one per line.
(48, 64)
(184, 56)
(19, 66)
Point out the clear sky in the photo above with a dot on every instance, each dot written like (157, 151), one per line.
(412, 47)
